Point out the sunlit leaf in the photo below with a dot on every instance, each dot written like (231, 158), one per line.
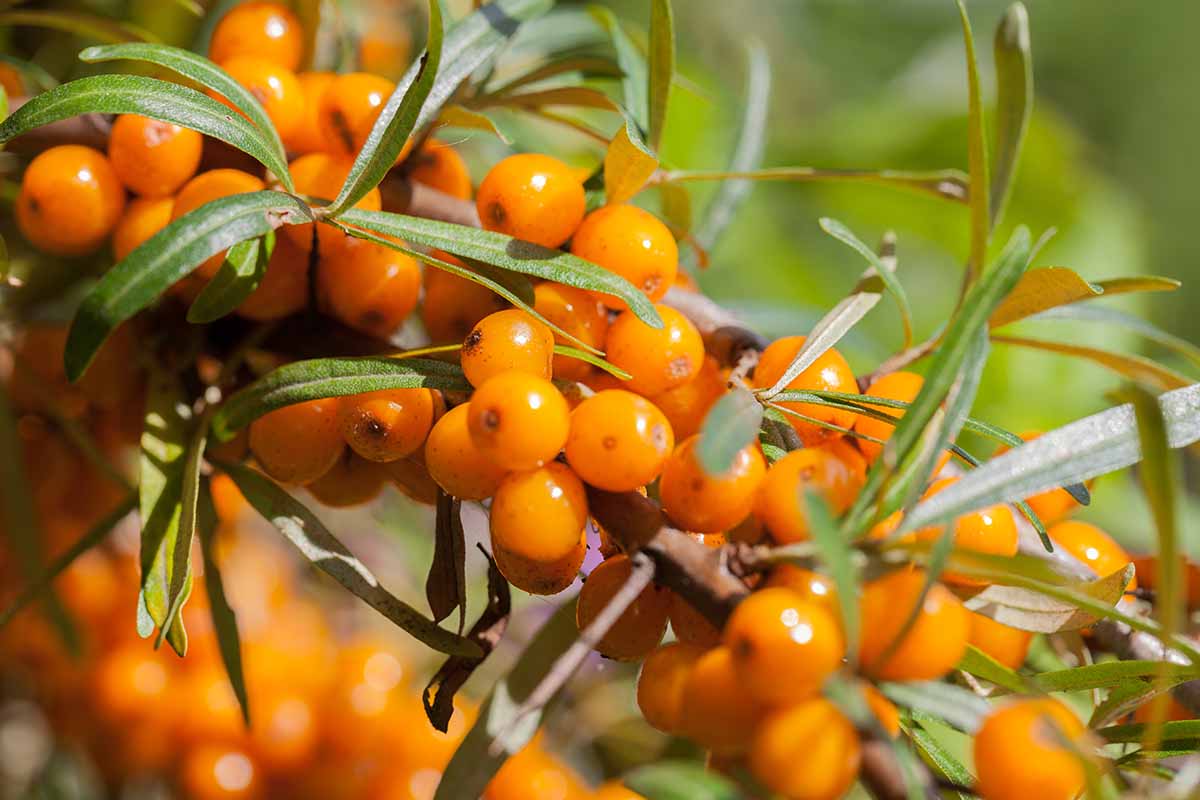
(586, 66)
(1108, 674)
(590, 358)
(937, 754)
(958, 707)
(314, 541)
(241, 272)
(976, 153)
(1188, 729)
(164, 258)
(223, 618)
(627, 165)
(635, 83)
(204, 72)
(1120, 319)
(456, 116)
(1138, 368)
(1014, 102)
(1030, 608)
(661, 69)
(680, 780)
(301, 381)
(150, 97)
(835, 553)
(983, 666)
(572, 96)
(730, 425)
(1045, 288)
(946, 184)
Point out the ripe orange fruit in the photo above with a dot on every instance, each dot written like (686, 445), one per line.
(1093, 547)
(532, 774)
(540, 577)
(387, 424)
(439, 166)
(812, 586)
(268, 30)
(283, 290)
(351, 481)
(320, 176)
(507, 340)
(284, 736)
(618, 441)
(578, 313)
(661, 681)
(632, 243)
(456, 463)
(306, 135)
(893, 386)
(933, 644)
(808, 751)
(70, 200)
(205, 188)
(829, 372)
(697, 501)
(152, 158)
(782, 503)
(274, 86)
(640, 628)
(298, 443)
(884, 710)
(143, 218)
(368, 286)
(349, 107)
(658, 359)
(539, 515)
(775, 632)
(1019, 752)
(991, 530)
(532, 197)
(211, 772)
(454, 305)
(517, 420)
(717, 711)
(688, 404)
(1007, 645)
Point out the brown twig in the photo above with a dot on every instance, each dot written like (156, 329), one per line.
(90, 130)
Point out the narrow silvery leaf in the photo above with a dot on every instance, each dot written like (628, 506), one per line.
(730, 425)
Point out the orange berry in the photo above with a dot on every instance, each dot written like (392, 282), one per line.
(844, 449)
(306, 135)
(211, 772)
(275, 87)
(387, 424)
(1051, 505)
(537, 576)
(808, 751)
(640, 628)
(717, 711)
(532, 774)
(902, 386)
(632, 243)
(143, 218)
(1020, 753)
(539, 515)
(658, 359)
(579, 314)
(1007, 645)
(991, 530)
(1093, 547)
(782, 502)
(884, 710)
(456, 463)
(369, 286)
(688, 624)
(1176, 712)
(532, 197)
(320, 176)
(351, 481)
(349, 107)
(829, 372)
(507, 340)
(661, 681)
(129, 682)
(615, 791)
(206, 187)
(688, 404)
(285, 734)
(269, 30)
(618, 441)
(298, 443)
(439, 166)
(697, 501)
(812, 586)
(283, 289)
(933, 644)
(776, 632)
(152, 158)
(518, 421)
(70, 200)
(11, 80)
(454, 305)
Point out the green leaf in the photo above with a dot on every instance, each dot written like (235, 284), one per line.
(87, 26)
(1112, 317)
(586, 66)
(958, 342)
(636, 82)
(164, 445)
(1138, 368)
(730, 425)
(468, 45)
(224, 619)
(316, 378)
(662, 68)
(508, 253)
(480, 755)
(594, 360)
(981, 665)
(960, 708)
(830, 329)
(835, 553)
(150, 97)
(977, 166)
(941, 758)
(575, 96)
(747, 153)
(456, 116)
(843, 234)
(947, 184)
(396, 121)
(204, 72)
(1030, 605)
(314, 541)
(1014, 102)
(1124, 699)
(1109, 674)
(1171, 731)
(242, 270)
(628, 164)
(680, 780)
(169, 255)
(21, 526)
(1074, 453)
